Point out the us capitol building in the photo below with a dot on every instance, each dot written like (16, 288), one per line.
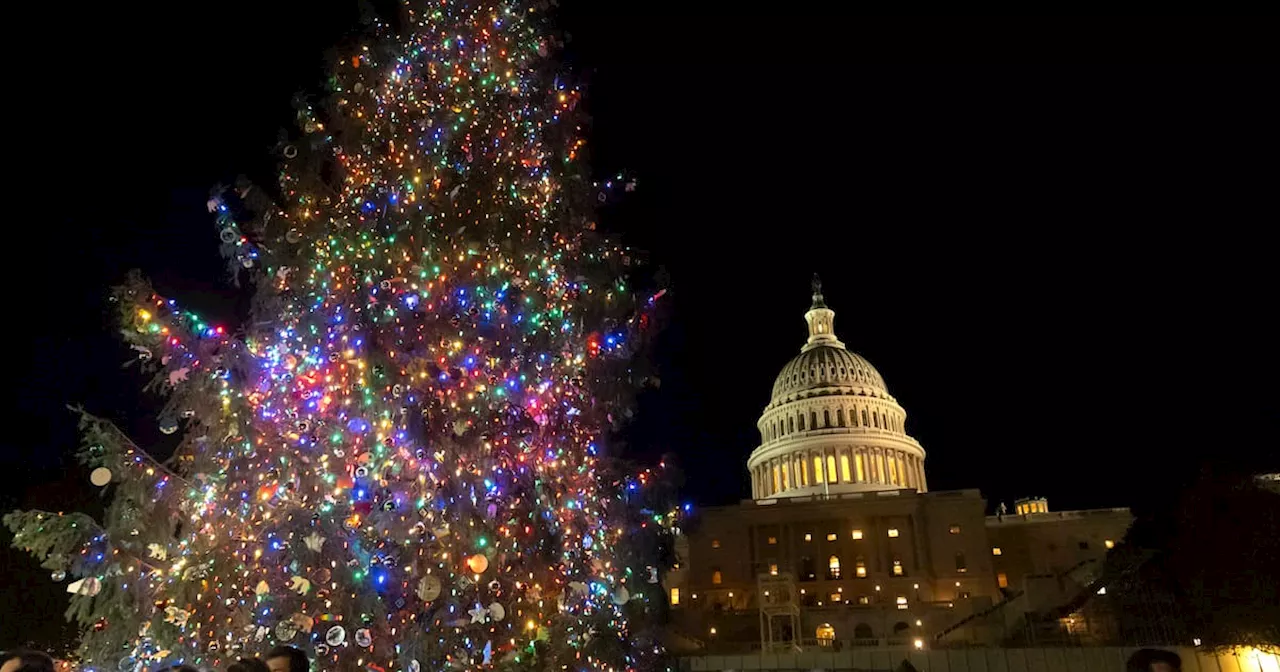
(842, 543)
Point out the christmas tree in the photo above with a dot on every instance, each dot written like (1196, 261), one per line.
(397, 463)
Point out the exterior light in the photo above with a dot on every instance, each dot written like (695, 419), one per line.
(918, 643)
(1102, 590)
(1195, 641)
(713, 631)
(730, 594)
(915, 586)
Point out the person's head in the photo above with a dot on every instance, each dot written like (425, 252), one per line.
(25, 661)
(1154, 660)
(248, 665)
(287, 659)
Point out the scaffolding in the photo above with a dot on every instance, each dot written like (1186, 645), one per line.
(779, 613)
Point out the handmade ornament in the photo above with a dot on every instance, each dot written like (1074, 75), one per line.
(100, 476)
(168, 426)
(157, 551)
(653, 574)
(363, 637)
(335, 636)
(290, 151)
(144, 353)
(314, 542)
(300, 585)
(428, 588)
(302, 622)
(228, 235)
(497, 612)
(58, 575)
(88, 586)
(286, 630)
(176, 616)
(479, 614)
(477, 563)
(178, 375)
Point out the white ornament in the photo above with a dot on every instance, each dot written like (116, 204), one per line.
(178, 376)
(621, 596)
(653, 575)
(212, 204)
(88, 586)
(300, 585)
(335, 636)
(157, 551)
(314, 542)
(429, 588)
(283, 274)
(363, 637)
(497, 612)
(478, 614)
(261, 633)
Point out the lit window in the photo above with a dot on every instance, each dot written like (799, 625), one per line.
(716, 577)
(831, 537)
(844, 465)
(773, 569)
(836, 597)
(893, 532)
(675, 596)
(857, 534)
(1002, 580)
(954, 529)
(1109, 544)
(808, 537)
(817, 469)
(862, 468)
(833, 567)
(863, 599)
(715, 543)
(860, 568)
(995, 550)
(773, 541)
(902, 601)
(826, 635)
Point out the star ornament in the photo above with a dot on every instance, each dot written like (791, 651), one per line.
(479, 614)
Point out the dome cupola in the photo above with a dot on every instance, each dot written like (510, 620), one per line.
(831, 425)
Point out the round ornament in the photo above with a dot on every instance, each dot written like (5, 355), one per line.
(168, 426)
(293, 236)
(415, 666)
(363, 637)
(497, 612)
(100, 476)
(477, 563)
(335, 636)
(322, 649)
(58, 575)
(621, 596)
(227, 235)
(290, 151)
(286, 630)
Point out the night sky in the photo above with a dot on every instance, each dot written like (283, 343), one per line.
(1053, 237)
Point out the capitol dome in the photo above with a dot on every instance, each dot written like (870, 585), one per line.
(831, 425)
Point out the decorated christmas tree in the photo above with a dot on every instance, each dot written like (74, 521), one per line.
(400, 461)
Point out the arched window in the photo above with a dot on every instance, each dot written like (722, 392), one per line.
(826, 418)
(716, 577)
(844, 467)
(817, 470)
(860, 567)
(853, 417)
(813, 419)
(807, 572)
(833, 567)
(840, 417)
(864, 418)
(826, 635)
(802, 422)
(791, 425)
(875, 420)
(863, 631)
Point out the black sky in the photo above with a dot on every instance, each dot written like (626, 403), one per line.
(1053, 236)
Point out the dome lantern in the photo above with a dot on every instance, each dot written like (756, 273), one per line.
(821, 320)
